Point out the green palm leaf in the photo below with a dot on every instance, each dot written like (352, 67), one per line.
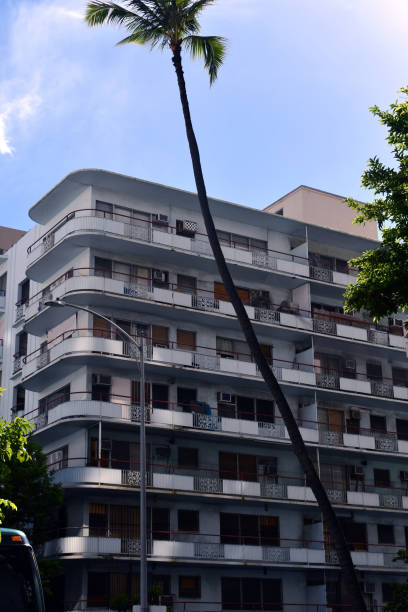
(211, 48)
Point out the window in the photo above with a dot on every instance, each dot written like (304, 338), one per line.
(355, 534)
(220, 293)
(101, 327)
(387, 591)
(160, 396)
(402, 429)
(186, 340)
(102, 587)
(385, 534)
(188, 520)
(19, 398)
(98, 589)
(186, 228)
(381, 478)
(265, 411)
(160, 336)
(98, 520)
(249, 529)
(186, 398)
(235, 466)
(104, 209)
(245, 408)
(103, 267)
(400, 377)
(251, 593)
(54, 399)
(188, 457)
(186, 284)
(101, 387)
(228, 348)
(279, 212)
(240, 242)
(374, 371)
(378, 423)
(160, 523)
(24, 291)
(21, 344)
(58, 459)
(190, 587)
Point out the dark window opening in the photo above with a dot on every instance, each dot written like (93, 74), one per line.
(188, 520)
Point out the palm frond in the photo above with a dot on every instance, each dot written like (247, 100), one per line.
(211, 48)
(99, 12)
(142, 37)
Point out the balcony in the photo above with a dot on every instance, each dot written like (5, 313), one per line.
(105, 230)
(284, 488)
(1, 350)
(88, 343)
(212, 548)
(198, 416)
(83, 281)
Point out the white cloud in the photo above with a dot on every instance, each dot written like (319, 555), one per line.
(19, 109)
(39, 64)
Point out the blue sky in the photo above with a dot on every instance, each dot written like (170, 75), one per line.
(290, 106)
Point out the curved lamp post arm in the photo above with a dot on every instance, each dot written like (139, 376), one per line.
(62, 304)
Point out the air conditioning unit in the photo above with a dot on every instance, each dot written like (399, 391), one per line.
(355, 414)
(404, 476)
(106, 445)
(163, 452)
(101, 379)
(369, 587)
(350, 364)
(226, 398)
(357, 470)
(158, 218)
(160, 275)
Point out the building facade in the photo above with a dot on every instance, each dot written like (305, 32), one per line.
(232, 523)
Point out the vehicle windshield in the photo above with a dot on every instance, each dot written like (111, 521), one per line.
(19, 582)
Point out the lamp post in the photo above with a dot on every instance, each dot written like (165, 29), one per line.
(142, 462)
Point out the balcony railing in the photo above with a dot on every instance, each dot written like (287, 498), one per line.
(166, 235)
(123, 540)
(288, 488)
(85, 340)
(203, 298)
(180, 605)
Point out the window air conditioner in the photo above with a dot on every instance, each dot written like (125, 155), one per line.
(227, 398)
(159, 275)
(158, 218)
(357, 470)
(350, 364)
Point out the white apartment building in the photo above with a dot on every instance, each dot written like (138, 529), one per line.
(233, 524)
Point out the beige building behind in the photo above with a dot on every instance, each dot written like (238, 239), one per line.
(322, 208)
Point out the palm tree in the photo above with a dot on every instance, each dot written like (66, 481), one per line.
(174, 24)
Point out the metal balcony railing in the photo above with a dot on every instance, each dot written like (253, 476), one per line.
(208, 358)
(216, 480)
(203, 298)
(162, 233)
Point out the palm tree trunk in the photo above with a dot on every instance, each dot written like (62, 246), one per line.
(299, 447)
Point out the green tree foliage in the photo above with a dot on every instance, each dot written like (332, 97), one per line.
(29, 484)
(382, 283)
(399, 602)
(13, 449)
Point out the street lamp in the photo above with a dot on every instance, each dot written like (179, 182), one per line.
(142, 462)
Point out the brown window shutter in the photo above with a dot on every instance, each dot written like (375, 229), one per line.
(186, 340)
(160, 336)
(101, 328)
(220, 292)
(267, 351)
